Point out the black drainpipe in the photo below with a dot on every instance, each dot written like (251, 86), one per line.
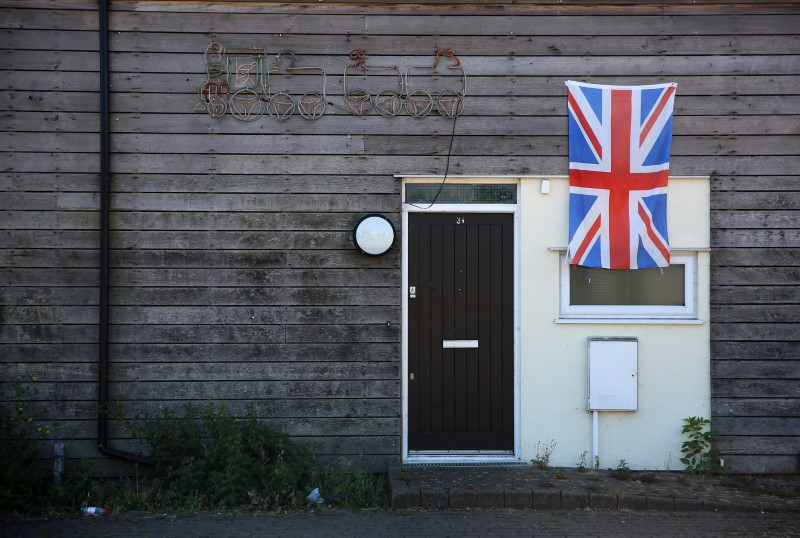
(105, 181)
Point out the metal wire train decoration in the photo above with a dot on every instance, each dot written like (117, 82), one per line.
(213, 90)
(449, 102)
(244, 70)
(281, 105)
(388, 102)
(242, 81)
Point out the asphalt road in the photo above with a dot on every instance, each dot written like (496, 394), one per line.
(416, 523)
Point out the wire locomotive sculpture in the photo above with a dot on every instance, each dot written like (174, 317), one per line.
(449, 102)
(281, 105)
(244, 69)
(388, 101)
(213, 91)
(242, 81)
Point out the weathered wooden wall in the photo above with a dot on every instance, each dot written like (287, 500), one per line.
(233, 274)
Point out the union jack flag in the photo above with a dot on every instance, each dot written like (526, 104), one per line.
(619, 144)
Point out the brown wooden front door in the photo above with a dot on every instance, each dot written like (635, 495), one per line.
(460, 332)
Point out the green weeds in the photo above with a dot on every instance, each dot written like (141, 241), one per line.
(25, 476)
(203, 458)
(207, 458)
(622, 472)
(543, 453)
(582, 462)
(350, 486)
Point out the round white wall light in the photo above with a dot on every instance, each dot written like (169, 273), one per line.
(374, 235)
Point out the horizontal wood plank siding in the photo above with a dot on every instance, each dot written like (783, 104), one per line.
(49, 239)
(233, 273)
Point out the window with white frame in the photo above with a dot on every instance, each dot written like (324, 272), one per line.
(639, 293)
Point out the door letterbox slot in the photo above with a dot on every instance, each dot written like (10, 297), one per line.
(459, 344)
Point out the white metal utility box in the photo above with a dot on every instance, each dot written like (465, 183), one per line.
(613, 374)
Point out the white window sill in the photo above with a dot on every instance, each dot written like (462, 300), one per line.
(631, 321)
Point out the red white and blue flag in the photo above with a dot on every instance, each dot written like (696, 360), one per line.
(619, 144)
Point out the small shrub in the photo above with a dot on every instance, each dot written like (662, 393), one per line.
(699, 454)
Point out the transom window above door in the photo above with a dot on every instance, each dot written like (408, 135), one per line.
(460, 193)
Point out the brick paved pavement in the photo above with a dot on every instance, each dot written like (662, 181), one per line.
(528, 487)
(489, 501)
(459, 523)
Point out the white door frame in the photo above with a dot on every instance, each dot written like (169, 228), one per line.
(457, 456)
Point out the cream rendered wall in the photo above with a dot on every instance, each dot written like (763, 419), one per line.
(674, 358)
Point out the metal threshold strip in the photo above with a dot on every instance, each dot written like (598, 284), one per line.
(462, 453)
(462, 458)
(510, 463)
